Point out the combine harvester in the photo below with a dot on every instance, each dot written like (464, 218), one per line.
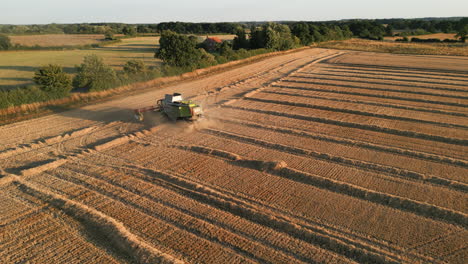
(174, 107)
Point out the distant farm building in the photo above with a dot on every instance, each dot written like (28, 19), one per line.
(211, 43)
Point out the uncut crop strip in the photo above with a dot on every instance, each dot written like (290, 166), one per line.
(221, 193)
(376, 98)
(351, 109)
(357, 172)
(450, 73)
(164, 214)
(323, 129)
(404, 74)
(243, 176)
(354, 156)
(352, 122)
(428, 157)
(456, 85)
(190, 226)
(406, 86)
(46, 150)
(438, 98)
(362, 103)
(423, 209)
(13, 138)
(318, 226)
(182, 221)
(368, 92)
(221, 221)
(34, 238)
(112, 229)
(179, 182)
(356, 117)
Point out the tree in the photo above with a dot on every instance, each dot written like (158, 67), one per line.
(52, 79)
(240, 40)
(178, 50)
(134, 67)
(278, 37)
(226, 50)
(301, 30)
(129, 31)
(462, 29)
(257, 38)
(389, 31)
(94, 75)
(5, 43)
(109, 35)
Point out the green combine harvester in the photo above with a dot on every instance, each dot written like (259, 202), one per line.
(174, 107)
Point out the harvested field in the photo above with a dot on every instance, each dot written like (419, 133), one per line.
(313, 156)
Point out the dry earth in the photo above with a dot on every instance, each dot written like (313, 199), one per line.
(314, 156)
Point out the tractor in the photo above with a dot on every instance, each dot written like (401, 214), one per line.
(174, 107)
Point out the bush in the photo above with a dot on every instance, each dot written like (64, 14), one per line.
(23, 95)
(206, 59)
(5, 43)
(53, 80)
(134, 67)
(94, 75)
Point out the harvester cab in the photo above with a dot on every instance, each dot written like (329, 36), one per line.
(174, 107)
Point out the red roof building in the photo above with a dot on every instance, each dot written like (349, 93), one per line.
(210, 43)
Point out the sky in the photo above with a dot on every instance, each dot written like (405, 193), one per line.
(155, 11)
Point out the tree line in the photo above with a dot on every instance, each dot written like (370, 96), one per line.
(120, 28)
(373, 29)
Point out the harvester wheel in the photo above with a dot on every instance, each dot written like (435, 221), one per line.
(139, 117)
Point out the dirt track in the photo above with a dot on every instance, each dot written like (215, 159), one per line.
(315, 156)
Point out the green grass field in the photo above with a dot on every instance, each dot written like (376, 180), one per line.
(17, 67)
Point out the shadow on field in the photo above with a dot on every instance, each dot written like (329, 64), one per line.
(135, 48)
(31, 68)
(18, 68)
(15, 79)
(105, 115)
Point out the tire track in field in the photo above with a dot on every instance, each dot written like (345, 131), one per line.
(119, 236)
(427, 110)
(281, 169)
(309, 75)
(411, 134)
(41, 143)
(355, 112)
(319, 82)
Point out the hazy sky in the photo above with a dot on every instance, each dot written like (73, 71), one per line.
(154, 11)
